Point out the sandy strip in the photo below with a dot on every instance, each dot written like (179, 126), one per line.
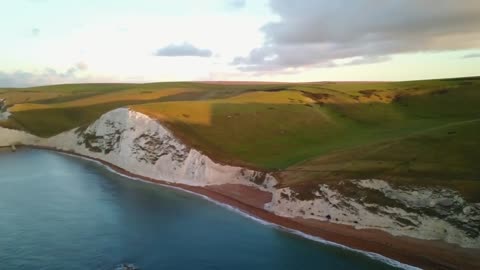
(421, 253)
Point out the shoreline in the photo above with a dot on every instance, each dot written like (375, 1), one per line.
(397, 251)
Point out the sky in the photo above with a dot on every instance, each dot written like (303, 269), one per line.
(79, 41)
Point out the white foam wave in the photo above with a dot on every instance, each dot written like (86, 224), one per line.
(372, 255)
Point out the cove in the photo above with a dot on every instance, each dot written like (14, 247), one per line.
(63, 212)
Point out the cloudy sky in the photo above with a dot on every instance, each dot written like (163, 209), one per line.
(57, 41)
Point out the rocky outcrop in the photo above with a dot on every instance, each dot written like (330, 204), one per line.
(10, 137)
(141, 145)
(426, 213)
(3, 105)
(4, 113)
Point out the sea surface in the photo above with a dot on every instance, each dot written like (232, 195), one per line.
(63, 212)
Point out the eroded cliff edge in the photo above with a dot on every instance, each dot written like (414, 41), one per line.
(4, 113)
(143, 146)
(425, 213)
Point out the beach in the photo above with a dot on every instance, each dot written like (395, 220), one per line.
(415, 252)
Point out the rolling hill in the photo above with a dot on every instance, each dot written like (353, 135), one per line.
(421, 133)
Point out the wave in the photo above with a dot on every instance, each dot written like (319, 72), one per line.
(372, 255)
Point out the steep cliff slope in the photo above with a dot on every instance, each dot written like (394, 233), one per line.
(14, 137)
(4, 113)
(141, 145)
(319, 140)
(425, 213)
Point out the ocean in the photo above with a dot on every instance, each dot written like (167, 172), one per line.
(63, 212)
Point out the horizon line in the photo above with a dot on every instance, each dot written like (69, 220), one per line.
(233, 82)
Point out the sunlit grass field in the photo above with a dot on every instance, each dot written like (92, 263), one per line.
(419, 132)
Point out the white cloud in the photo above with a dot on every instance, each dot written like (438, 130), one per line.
(472, 55)
(237, 3)
(313, 32)
(44, 77)
(35, 32)
(183, 49)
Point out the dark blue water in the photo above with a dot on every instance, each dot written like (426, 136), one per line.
(61, 212)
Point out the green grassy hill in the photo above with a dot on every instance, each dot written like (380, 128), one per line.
(419, 132)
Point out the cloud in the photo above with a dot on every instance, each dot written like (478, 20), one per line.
(80, 66)
(184, 49)
(472, 55)
(237, 3)
(44, 77)
(365, 60)
(35, 32)
(316, 32)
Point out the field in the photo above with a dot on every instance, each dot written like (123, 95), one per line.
(419, 132)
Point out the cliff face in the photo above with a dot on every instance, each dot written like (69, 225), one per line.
(141, 145)
(14, 137)
(4, 114)
(425, 213)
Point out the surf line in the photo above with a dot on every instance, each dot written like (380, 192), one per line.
(372, 255)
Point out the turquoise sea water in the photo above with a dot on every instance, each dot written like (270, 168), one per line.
(62, 212)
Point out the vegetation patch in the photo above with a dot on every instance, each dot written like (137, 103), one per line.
(420, 133)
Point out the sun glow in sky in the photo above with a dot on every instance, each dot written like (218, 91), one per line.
(56, 41)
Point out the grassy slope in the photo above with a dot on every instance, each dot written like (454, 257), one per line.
(447, 156)
(421, 132)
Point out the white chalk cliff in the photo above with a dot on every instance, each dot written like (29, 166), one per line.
(4, 113)
(425, 213)
(143, 146)
(10, 137)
